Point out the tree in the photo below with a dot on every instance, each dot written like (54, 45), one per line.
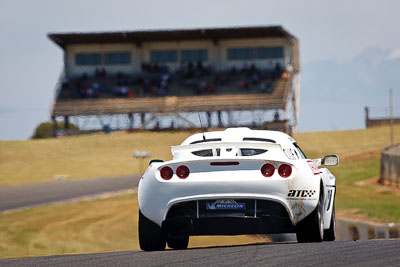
(45, 129)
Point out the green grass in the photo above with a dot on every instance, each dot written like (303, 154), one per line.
(102, 225)
(349, 172)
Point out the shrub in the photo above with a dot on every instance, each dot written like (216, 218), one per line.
(45, 129)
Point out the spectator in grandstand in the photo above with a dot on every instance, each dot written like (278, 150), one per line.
(233, 70)
(285, 75)
(210, 88)
(103, 88)
(202, 86)
(266, 87)
(269, 88)
(90, 92)
(255, 78)
(245, 67)
(96, 86)
(164, 69)
(84, 76)
(103, 72)
(253, 68)
(131, 93)
(97, 72)
(244, 84)
(82, 92)
(162, 91)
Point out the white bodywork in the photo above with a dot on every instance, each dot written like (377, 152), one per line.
(299, 193)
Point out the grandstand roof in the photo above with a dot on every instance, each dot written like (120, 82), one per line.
(138, 37)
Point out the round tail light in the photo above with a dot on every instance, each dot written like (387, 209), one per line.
(267, 170)
(285, 170)
(182, 172)
(166, 173)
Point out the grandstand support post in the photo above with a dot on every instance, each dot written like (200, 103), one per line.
(131, 120)
(209, 118)
(220, 125)
(229, 113)
(53, 118)
(143, 117)
(66, 122)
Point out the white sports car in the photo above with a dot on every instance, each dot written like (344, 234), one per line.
(234, 182)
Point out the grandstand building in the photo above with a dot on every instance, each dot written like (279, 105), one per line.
(245, 76)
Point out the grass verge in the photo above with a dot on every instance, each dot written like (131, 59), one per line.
(108, 224)
(101, 155)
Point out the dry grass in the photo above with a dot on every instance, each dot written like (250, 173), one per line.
(101, 155)
(107, 224)
(82, 157)
(346, 143)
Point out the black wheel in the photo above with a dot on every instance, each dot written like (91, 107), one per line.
(178, 242)
(151, 236)
(330, 234)
(311, 228)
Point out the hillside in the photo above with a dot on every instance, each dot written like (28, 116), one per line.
(101, 155)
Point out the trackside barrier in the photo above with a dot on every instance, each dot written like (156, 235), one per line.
(355, 230)
(390, 165)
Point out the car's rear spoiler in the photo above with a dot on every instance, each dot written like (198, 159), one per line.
(223, 145)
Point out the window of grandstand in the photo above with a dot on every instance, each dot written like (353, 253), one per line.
(194, 55)
(247, 53)
(270, 52)
(117, 58)
(163, 56)
(88, 59)
(241, 53)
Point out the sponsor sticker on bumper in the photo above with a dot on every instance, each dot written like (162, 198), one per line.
(225, 205)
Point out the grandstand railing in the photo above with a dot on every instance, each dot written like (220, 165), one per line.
(167, 104)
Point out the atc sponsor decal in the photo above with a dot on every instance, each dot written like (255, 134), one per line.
(301, 194)
(225, 205)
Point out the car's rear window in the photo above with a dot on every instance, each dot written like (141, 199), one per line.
(206, 153)
(243, 151)
(252, 151)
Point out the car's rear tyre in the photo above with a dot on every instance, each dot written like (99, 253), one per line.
(311, 229)
(178, 242)
(151, 236)
(330, 234)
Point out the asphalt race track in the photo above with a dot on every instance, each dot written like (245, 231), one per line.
(344, 253)
(14, 197)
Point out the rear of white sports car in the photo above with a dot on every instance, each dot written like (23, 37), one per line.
(225, 188)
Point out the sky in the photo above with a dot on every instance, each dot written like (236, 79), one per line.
(349, 50)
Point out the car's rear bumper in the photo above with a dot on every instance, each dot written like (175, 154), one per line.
(257, 217)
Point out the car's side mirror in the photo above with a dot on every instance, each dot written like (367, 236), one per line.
(330, 160)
